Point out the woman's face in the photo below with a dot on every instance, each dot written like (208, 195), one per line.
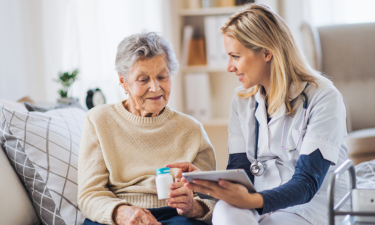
(251, 68)
(149, 85)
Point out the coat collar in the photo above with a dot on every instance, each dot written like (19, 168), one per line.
(261, 113)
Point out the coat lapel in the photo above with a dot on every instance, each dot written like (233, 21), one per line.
(261, 113)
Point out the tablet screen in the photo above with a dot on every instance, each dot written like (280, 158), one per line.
(234, 175)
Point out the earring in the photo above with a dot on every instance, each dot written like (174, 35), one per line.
(126, 92)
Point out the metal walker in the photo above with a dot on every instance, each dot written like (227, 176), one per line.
(334, 209)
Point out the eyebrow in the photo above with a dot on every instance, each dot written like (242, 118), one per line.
(230, 53)
(141, 72)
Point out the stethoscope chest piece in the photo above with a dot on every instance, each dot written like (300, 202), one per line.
(257, 168)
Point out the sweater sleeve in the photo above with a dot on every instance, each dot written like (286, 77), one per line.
(205, 160)
(95, 200)
(308, 177)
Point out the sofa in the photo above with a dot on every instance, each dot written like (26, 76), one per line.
(346, 54)
(38, 165)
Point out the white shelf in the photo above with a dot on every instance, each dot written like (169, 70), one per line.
(216, 122)
(210, 11)
(206, 69)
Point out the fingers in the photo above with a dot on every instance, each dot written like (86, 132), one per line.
(206, 187)
(176, 185)
(135, 215)
(181, 202)
(179, 205)
(184, 166)
(148, 218)
(227, 184)
(201, 189)
(182, 190)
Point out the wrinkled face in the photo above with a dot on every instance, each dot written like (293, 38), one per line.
(149, 85)
(251, 68)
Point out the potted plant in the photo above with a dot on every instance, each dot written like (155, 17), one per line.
(66, 79)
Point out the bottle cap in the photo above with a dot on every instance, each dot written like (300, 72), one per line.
(163, 170)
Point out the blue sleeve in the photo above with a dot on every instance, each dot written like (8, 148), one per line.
(309, 174)
(240, 161)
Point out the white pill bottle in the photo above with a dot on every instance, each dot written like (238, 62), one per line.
(163, 180)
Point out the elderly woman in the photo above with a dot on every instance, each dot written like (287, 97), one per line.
(124, 143)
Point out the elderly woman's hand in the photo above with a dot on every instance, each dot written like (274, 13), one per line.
(182, 167)
(183, 200)
(133, 215)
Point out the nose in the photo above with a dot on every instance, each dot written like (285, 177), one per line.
(230, 67)
(154, 86)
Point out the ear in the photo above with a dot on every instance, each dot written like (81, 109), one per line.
(122, 82)
(267, 55)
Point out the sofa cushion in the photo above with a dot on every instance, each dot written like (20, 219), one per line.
(73, 104)
(361, 145)
(14, 199)
(13, 105)
(361, 142)
(43, 150)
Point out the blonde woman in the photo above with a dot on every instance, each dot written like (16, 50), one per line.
(287, 128)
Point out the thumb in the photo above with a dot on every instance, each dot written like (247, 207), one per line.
(178, 175)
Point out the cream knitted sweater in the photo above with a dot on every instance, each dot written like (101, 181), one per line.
(119, 153)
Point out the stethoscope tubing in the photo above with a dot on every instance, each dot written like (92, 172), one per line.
(260, 167)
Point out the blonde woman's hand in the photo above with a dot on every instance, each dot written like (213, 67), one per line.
(183, 200)
(133, 215)
(181, 168)
(234, 194)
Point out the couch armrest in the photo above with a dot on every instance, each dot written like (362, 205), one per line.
(361, 145)
(15, 204)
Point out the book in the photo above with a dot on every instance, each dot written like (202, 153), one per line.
(198, 96)
(222, 54)
(226, 3)
(197, 52)
(210, 31)
(187, 37)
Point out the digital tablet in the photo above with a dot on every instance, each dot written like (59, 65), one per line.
(233, 175)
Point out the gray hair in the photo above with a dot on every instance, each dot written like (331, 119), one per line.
(144, 45)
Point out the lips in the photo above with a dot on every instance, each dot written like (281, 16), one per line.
(241, 76)
(155, 98)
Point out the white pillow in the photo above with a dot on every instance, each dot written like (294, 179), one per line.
(13, 105)
(43, 150)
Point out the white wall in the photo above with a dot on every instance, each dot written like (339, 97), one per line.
(294, 13)
(41, 38)
(21, 65)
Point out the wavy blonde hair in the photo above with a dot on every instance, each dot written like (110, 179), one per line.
(257, 27)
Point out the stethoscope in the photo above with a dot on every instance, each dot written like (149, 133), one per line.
(258, 168)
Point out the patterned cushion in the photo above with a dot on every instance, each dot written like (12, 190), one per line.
(43, 150)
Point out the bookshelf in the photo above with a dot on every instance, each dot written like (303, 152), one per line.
(205, 69)
(221, 82)
(209, 11)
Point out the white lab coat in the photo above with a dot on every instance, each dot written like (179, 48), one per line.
(324, 128)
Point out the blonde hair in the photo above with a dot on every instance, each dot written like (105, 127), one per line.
(257, 27)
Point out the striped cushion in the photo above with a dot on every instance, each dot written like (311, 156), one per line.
(43, 150)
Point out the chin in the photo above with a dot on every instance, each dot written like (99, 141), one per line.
(155, 110)
(246, 86)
